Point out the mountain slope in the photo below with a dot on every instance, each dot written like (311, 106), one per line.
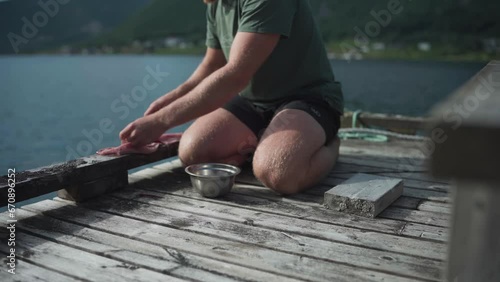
(160, 19)
(75, 21)
(449, 21)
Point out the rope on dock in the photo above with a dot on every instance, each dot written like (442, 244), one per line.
(373, 135)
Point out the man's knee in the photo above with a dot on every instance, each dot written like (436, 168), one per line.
(191, 150)
(275, 178)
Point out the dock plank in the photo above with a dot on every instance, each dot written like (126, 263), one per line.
(62, 258)
(286, 264)
(26, 271)
(352, 236)
(314, 213)
(272, 205)
(418, 175)
(436, 233)
(431, 206)
(423, 194)
(385, 162)
(274, 240)
(134, 252)
(160, 226)
(410, 183)
(428, 218)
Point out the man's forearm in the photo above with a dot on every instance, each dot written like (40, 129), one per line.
(202, 72)
(212, 93)
(182, 90)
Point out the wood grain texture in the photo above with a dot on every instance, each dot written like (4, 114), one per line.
(364, 194)
(26, 271)
(79, 264)
(304, 227)
(41, 181)
(160, 225)
(249, 255)
(475, 236)
(85, 191)
(137, 253)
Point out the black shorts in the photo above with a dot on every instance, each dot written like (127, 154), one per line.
(258, 118)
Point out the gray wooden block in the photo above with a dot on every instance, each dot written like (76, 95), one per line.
(363, 194)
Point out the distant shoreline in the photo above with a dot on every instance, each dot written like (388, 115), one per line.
(333, 53)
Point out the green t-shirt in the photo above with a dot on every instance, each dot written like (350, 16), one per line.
(298, 65)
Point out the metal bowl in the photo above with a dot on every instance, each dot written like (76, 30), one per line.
(212, 180)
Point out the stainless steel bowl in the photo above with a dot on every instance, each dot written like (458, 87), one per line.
(212, 180)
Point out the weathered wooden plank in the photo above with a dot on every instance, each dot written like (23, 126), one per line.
(406, 203)
(26, 271)
(297, 244)
(363, 194)
(432, 206)
(247, 177)
(427, 195)
(150, 173)
(137, 253)
(428, 218)
(424, 194)
(392, 149)
(305, 227)
(436, 233)
(179, 185)
(171, 166)
(315, 194)
(85, 191)
(174, 186)
(37, 182)
(410, 181)
(406, 164)
(64, 259)
(420, 178)
(283, 263)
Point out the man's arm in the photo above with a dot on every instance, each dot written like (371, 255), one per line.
(249, 51)
(214, 59)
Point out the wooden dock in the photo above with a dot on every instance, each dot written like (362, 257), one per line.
(153, 226)
(159, 229)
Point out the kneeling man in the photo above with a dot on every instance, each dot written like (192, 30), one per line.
(265, 87)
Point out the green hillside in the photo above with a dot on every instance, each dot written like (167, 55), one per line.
(160, 19)
(423, 20)
(72, 22)
(456, 27)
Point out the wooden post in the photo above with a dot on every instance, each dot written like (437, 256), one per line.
(474, 252)
(466, 135)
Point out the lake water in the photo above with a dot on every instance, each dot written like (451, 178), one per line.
(52, 107)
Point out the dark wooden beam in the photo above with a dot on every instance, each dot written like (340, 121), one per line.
(467, 148)
(467, 129)
(44, 180)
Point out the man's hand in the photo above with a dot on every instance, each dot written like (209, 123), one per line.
(143, 131)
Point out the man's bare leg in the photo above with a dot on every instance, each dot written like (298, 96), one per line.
(292, 155)
(217, 137)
